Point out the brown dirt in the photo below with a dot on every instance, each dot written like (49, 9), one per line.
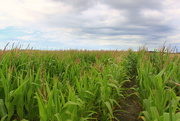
(130, 106)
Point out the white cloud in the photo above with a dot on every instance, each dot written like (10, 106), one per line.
(152, 13)
(172, 12)
(29, 12)
(174, 38)
(102, 15)
(27, 38)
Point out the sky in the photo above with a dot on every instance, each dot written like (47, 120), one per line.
(90, 24)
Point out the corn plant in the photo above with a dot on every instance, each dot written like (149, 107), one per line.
(59, 85)
(159, 96)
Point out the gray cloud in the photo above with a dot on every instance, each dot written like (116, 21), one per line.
(79, 5)
(136, 23)
(136, 20)
(130, 5)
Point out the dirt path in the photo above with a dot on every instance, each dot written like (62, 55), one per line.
(130, 106)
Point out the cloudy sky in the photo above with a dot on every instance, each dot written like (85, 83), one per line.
(90, 24)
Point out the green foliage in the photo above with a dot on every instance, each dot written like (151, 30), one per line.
(130, 64)
(59, 86)
(158, 80)
(86, 85)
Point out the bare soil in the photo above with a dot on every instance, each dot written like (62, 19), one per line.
(130, 105)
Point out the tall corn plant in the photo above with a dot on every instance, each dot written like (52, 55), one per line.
(14, 81)
(37, 85)
(130, 64)
(159, 98)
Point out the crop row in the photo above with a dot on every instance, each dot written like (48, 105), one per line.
(59, 86)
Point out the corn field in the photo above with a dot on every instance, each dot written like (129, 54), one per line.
(87, 85)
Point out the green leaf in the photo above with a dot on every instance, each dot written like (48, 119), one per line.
(108, 105)
(42, 108)
(4, 118)
(3, 111)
